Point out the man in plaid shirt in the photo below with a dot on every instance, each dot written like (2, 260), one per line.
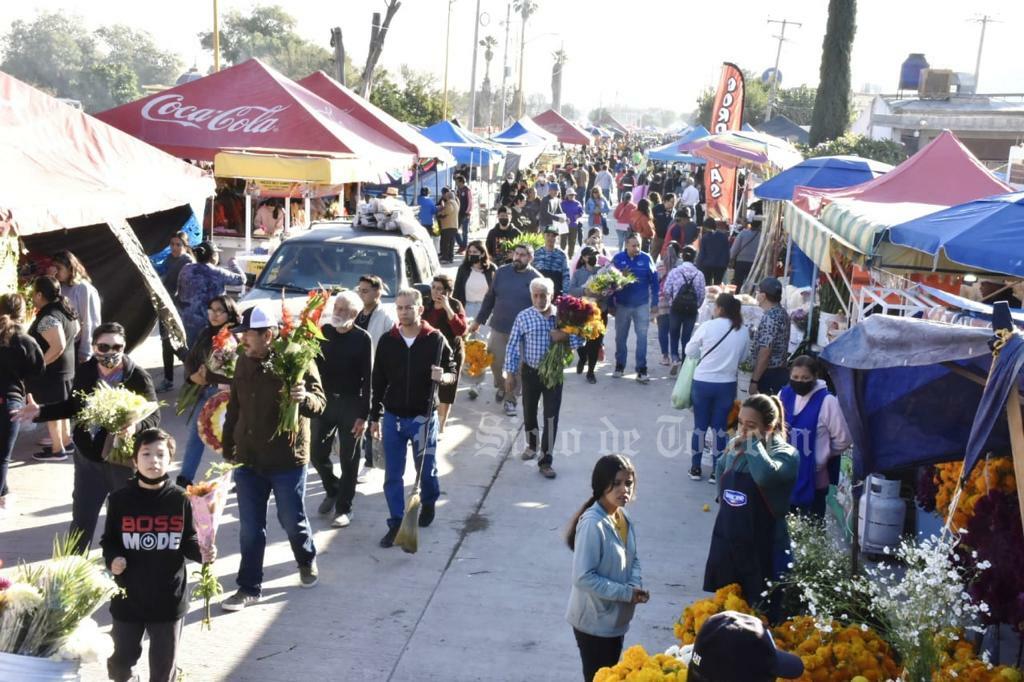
(531, 336)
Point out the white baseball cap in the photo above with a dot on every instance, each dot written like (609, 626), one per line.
(257, 317)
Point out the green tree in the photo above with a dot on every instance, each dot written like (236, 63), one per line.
(267, 32)
(598, 115)
(570, 111)
(417, 100)
(796, 104)
(832, 103)
(755, 102)
(56, 53)
(885, 151)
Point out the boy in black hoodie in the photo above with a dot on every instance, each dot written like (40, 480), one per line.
(148, 536)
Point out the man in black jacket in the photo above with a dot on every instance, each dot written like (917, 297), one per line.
(411, 359)
(551, 208)
(95, 477)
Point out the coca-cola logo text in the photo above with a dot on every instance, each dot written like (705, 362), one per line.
(247, 118)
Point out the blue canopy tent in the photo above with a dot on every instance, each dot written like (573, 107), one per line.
(823, 172)
(670, 152)
(987, 234)
(903, 384)
(520, 135)
(465, 146)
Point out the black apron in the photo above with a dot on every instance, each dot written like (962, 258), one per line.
(743, 539)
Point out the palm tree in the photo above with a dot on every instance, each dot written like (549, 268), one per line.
(556, 79)
(488, 43)
(525, 8)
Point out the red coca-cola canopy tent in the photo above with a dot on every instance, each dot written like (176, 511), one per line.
(319, 83)
(251, 106)
(565, 130)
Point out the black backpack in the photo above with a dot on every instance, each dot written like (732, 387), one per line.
(685, 301)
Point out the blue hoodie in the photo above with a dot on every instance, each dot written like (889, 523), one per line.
(644, 291)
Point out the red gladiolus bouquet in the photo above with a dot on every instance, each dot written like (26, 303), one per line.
(576, 316)
(291, 353)
(221, 361)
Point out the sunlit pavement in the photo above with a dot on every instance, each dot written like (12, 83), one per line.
(485, 596)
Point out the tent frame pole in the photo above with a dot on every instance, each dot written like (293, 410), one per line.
(248, 222)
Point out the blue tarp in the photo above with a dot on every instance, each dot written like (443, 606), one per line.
(825, 172)
(192, 229)
(670, 153)
(467, 147)
(987, 234)
(903, 405)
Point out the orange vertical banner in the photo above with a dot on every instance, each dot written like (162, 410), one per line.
(726, 114)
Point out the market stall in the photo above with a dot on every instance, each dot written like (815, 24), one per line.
(73, 182)
(525, 142)
(670, 153)
(564, 130)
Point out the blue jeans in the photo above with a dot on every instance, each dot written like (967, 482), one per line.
(680, 329)
(640, 317)
(397, 433)
(462, 236)
(712, 403)
(622, 238)
(253, 489)
(9, 428)
(663, 327)
(194, 446)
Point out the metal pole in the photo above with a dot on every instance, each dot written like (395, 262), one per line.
(248, 221)
(472, 80)
(504, 63)
(447, 42)
(981, 43)
(522, 65)
(778, 55)
(216, 38)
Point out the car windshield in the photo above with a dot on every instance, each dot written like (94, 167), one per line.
(302, 266)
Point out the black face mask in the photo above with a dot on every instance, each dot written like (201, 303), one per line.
(473, 258)
(503, 221)
(151, 481)
(802, 387)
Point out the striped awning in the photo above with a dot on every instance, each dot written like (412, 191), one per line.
(816, 239)
(861, 223)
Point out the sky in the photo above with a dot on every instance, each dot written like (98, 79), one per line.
(642, 53)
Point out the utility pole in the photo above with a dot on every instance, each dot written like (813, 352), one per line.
(778, 55)
(216, 39)
(984, 21)
(472, 80)
(447, 41)
(504, 64)
(339, 53)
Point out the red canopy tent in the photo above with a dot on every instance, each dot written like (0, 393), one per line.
(374, 117)
(252, 106)
(565, 130)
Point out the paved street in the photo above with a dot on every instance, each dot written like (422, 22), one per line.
(485, 596)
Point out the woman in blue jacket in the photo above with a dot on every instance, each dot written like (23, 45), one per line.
(606, 582)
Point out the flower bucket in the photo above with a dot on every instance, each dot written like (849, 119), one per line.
(34, 669)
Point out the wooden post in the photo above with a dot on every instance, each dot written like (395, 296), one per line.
(1016, 424)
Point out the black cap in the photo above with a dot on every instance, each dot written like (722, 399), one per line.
(770, 286)
(736, 647)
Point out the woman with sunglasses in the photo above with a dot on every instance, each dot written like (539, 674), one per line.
(95, 477)
(220, 311)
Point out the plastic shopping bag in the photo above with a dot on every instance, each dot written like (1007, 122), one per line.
(684, 384)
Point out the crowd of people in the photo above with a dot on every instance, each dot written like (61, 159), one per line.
(391, 378)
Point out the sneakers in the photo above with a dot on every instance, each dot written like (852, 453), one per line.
(695, 473)
(165, 386)
(619, 371)
(665, 361)
(712, 479)
(341, 521)
(389, 538)
(426, 515)
(510, 408)
(326, 505)
(499, 395)
(308, 575)
(547, 472)
(675, 369)
(364, 471)
(591, 379)
(239, 600)
(473, 394)
(528, 454)
(642, 378)
(48, 455)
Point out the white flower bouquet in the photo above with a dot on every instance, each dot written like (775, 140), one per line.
(115, 409)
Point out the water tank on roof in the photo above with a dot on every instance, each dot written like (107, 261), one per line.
(910, 71)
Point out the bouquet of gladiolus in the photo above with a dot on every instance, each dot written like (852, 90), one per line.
(291, 353)
(208, 498)
(477, 358)
(577, 316)
(114, 409)
(222, 360)
(608, 281)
